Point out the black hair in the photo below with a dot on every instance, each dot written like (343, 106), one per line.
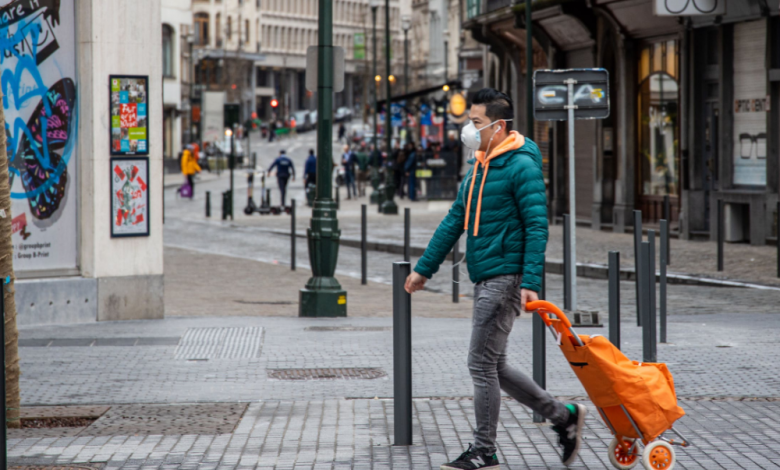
(497, 105)
(311, 151)
(281, 152)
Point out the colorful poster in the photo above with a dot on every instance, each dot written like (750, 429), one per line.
(40, 99)
(129, 197)
(128, 101)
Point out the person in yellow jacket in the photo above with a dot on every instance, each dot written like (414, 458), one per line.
(189, 166)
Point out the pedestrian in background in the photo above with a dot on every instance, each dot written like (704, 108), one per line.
(284, 169)
(348, 162)
(310, 169)
(362, 172)
(189, 167)
(342, 131)
(410, 170)
(501, 204)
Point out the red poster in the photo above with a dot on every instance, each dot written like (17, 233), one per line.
(128, 115)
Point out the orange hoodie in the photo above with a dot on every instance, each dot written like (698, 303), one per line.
(512, 142)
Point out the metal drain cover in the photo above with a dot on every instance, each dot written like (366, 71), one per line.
(348, 328)
(353, 373)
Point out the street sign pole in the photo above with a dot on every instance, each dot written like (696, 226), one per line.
(389, 207)
(323, 295)
(572, 204)
(569, 95)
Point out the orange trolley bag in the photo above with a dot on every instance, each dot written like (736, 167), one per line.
(636, 400)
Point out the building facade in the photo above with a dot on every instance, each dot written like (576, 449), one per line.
(288, 28)
(691, 108)
(226, 44)
(176, 18)
(69, 264)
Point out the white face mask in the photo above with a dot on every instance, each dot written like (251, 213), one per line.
(471, 137)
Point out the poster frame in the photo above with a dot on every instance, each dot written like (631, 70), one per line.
(148, 110)
(112, 210)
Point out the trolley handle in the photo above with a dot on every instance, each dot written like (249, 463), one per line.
(544, 308)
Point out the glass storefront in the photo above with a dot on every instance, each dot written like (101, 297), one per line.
(658, 107)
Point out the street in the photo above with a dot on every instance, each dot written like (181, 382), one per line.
(231, 279)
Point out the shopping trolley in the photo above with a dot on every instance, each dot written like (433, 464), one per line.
(636, 400)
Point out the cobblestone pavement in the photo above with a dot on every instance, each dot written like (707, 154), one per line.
(339, 424)
(358, 434)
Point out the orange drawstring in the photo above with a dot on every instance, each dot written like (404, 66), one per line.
(471, 191)
(479, 198)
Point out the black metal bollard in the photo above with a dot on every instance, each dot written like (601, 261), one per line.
(637, 271)
(402, 355)
(338, 199)
(664, 261)
(652, 312)
(668, 218)
(407, 234)
(647, 351)
(292, 234)
(456, 272)
(363, 246)
(208, 203)
(614, 298)
(778, 238)
(268, 197)
(539, 350)
(720, 234)
(567, 281)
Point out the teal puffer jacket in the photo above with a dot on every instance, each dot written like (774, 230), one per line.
(512, 235)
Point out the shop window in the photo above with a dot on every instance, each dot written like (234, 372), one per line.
(658, 106)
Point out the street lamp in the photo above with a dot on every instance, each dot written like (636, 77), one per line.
(323, 296)
(406, 25)
(389, 206)
(375, 160)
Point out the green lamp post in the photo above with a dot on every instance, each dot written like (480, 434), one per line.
(375, 162)
(323, 295)
(389, 206)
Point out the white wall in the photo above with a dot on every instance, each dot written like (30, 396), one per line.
(117, 37)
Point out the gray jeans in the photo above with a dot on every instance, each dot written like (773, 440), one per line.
(496, 304)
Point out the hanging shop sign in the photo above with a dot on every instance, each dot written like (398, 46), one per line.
(129, 196)
(590, 94)
(129, 105)
(690, 7)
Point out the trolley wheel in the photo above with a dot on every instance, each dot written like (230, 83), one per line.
(658, 455)
(620, 457)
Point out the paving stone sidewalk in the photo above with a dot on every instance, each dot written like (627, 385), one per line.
(358, 434)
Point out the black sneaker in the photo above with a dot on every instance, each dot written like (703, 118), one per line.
(570, 434)
(472, 459)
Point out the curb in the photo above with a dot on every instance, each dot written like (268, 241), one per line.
(554, 266)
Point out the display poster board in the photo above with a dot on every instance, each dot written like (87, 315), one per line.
(129, 196)
(129, 105)
(40, 88)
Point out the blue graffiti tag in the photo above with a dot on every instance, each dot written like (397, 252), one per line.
(43, 174)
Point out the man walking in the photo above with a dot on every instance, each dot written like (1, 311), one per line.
(502, 206)
(284, 166)
(310, 169)
(348, 161)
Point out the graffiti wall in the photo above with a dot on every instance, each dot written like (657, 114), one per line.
(38, 65)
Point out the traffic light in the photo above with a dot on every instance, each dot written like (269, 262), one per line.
(274, 103)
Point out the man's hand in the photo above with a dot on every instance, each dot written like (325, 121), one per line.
(526, 295)
(415, 282)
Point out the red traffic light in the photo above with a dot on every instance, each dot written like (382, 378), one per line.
(274, 103)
